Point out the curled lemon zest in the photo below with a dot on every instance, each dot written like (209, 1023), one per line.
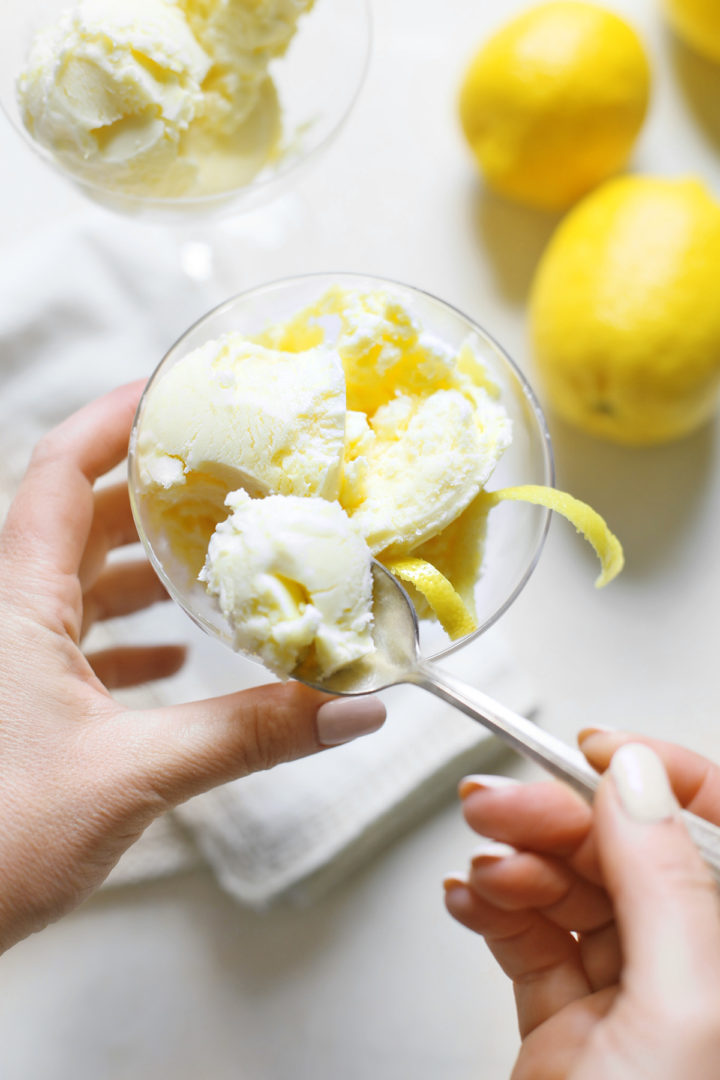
(586, 520)
(452, 614)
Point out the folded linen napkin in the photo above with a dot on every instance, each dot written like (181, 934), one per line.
(81, 310)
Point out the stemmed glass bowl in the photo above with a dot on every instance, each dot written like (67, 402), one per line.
(317, 82)
(516, 531)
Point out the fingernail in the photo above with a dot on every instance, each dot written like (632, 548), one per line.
(343, 719)
(455, 881)
(642, 784)
(491, 851)
(469, 784)
(588, 732)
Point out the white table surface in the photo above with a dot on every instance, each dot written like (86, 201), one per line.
(173, 979)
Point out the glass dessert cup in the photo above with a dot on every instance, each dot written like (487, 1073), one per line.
(515, 531)
(317, 82)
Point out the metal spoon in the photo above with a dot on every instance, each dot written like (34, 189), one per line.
(396, 659)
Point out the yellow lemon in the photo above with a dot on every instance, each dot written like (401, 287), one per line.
(552, 103)
(625, 310)
(698, 22)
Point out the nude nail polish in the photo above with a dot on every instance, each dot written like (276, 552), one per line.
(642, 784)
(455, 881)
(469, 784)
(491, 851)
(342, 719)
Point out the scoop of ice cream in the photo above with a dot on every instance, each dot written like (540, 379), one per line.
(110, 87)
(292, 577)
(242, 37)
(235, 414)
(424, 463)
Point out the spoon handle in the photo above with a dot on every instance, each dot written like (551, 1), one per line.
(547, 750)
(527, 738)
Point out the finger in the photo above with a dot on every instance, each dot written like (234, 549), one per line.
(546, 817)
(602, 956)
(120, 590)
(695, 780)
(520, 880)
(665, 901)
(515, 881)
(112, 526)
(542, 960)
(179, 751)
(132, 665)
(50, 517)
(552, 1051)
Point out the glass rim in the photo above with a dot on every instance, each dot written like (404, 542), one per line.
(548, 461)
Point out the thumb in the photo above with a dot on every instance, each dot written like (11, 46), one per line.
(181, 750)
(666, 905)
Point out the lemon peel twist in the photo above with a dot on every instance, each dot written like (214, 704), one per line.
(442, 597)
(586, 520)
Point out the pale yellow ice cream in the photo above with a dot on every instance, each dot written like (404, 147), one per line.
(235, 414)
(348, 405)
(425, 426)
(162, 98)
(428, 460)
(292, 577)
(242, 37)
(112, 86)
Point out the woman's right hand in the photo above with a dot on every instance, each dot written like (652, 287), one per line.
(605, 918)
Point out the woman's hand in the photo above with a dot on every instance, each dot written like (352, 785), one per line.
(80, 776)
(606, 919)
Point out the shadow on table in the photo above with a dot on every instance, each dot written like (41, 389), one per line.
(650, 496)
(699, 80)
(513, 236)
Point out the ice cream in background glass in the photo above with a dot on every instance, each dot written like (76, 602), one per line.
(337, 405)
(181, 107)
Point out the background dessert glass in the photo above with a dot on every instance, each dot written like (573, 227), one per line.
(317, 82)
(516, 531)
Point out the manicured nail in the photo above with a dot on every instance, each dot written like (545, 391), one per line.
(642, 784)
(491, 851)
(588, 732)
(469, 784)
(455, 881)
(343, 719)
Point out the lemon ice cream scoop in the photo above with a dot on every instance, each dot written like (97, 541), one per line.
(242, 37)
(427, 462)
(292, 577)
(235, 414)
(110, 88)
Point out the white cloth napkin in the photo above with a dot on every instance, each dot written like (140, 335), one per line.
(98, 302)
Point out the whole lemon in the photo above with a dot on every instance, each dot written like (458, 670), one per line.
(552, 103)
(625, 310)
(698, 22)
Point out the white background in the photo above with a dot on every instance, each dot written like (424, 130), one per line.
(173, 980)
